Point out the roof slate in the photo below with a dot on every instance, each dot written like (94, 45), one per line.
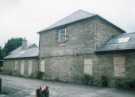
(74, 17)
(114, 45)
(28, 52)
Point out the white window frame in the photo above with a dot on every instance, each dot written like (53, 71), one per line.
(22, 67)
(88, 66)
(16, 65)
(119, 66)
(30, 67)
(60, 35)
(42, 65)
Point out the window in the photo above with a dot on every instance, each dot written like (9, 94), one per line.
(88, 66)
(16, 65)
(30, 67)
(119, 66)
(123, 39)
(22, 67)
(42, 65)
(62, 35)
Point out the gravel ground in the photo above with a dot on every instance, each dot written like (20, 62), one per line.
(22, 87)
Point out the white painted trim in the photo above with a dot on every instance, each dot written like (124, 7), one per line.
(30, 67)
(119, 66)
(88, 66)
(42, 65)
(22, 67)
(16, 65)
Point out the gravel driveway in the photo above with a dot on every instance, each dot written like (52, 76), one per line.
(22, 87)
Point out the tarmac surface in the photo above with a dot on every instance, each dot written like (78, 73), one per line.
(22, 87)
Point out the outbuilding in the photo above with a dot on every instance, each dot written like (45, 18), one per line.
(23, 61)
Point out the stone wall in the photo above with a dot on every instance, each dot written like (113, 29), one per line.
(83, 38)
(14, 67)
(104, 31)
(65, 61)
(80, 40)
(130, 66)
(106, 65)
(67, 68)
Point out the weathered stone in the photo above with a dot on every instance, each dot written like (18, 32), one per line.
(65, 61)
(16, 69)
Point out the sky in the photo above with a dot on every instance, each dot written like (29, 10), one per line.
(24, 18)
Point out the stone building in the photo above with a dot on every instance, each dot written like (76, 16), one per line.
(23, 61)
(85, 44)
(121, 52)
(82, 47)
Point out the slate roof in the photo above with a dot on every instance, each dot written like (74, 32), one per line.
(116, 44)
(75, 17)
(21, 52)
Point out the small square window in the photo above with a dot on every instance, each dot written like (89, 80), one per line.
(62, 35)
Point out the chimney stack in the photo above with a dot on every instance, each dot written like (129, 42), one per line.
(24, 44)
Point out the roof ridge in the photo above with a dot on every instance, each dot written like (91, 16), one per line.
(73, 17)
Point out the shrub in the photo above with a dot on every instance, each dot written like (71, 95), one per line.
(104, 81)
(40, 75)
(131, 84)
(125, 83)
(88, 79)
(57, 79)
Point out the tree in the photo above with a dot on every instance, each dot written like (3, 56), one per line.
(11, 45)
(1, 56)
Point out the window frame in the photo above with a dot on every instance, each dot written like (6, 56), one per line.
(62, 35)
(119, 66)
(16, 65)
(30, 67)
(42, 65)
(88, 66)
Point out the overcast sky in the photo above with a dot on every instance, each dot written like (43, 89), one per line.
(24, 18)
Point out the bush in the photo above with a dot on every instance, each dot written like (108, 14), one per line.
(88, 79)
(57, 79)
(125, 83)
(130, 84)
(40, 75)
(104, 81)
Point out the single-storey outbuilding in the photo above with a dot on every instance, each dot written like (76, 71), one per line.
(23, 61)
